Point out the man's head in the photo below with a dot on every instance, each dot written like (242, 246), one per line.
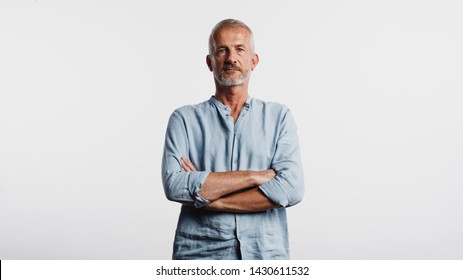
(231, 53)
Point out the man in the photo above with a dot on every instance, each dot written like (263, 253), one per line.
(232, 161)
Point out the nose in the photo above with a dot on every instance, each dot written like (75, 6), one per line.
(232, 57)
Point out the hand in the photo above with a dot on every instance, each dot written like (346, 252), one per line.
(264, 176)
(187, 166)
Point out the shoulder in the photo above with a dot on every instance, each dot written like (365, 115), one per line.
(273, 113)
(191, 110)
(273, 108)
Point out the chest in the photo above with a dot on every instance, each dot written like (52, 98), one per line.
(248, 144)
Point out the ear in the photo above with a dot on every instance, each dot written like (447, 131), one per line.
(209, 62)
(255, 61)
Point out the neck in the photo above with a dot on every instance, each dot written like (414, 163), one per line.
(233, 97)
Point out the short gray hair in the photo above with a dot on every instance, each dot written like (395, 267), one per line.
(226, 23)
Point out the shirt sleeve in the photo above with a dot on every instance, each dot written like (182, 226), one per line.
(180, 186)
(287, 188)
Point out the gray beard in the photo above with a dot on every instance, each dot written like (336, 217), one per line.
(228, 82)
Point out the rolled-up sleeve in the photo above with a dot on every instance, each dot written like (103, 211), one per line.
(180, 186)
(287, 188)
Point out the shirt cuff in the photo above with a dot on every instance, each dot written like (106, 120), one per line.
(200, 201)
(197, 179)
(275, 193)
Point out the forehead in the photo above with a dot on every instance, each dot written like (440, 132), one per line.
(232, 35)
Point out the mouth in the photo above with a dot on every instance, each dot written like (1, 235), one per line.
(230, 69)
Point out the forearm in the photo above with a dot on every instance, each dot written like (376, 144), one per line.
(252, 200)
(219, 184)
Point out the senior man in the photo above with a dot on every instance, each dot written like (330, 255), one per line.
(233, 161)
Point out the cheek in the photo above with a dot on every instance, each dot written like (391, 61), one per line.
(212, 65)
(249, 65)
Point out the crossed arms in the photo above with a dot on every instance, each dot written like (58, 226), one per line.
(233, 191)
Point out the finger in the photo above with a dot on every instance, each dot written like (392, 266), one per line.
(186, 165)
(189, 165)
(187, 169)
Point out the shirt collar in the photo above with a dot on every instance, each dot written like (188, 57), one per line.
(220, 105)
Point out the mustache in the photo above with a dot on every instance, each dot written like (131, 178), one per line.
(230, 66)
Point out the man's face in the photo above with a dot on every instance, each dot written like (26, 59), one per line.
(232, 59)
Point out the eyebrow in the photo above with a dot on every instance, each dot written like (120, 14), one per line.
(236, 46)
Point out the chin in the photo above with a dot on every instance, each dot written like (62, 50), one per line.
(230, 82)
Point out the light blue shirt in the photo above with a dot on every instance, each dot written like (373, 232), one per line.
(263, 137)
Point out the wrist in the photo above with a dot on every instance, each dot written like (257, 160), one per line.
(256, 178)
(215, 205)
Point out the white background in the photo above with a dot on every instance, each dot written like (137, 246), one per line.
(87, 87)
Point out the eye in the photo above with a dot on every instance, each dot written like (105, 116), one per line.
(220, 51)
(241, 49)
